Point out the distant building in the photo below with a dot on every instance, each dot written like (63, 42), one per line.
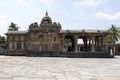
(48, 37)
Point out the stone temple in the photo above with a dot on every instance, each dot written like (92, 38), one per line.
(49, 37)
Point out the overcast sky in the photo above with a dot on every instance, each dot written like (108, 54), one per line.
(72, 14)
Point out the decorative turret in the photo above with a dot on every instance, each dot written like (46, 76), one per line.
(46, 25)
(33, 25)
(46, 18)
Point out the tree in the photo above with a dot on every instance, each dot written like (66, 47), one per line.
(113, 34)
(13, 27)
(68, 41)
(2, 40)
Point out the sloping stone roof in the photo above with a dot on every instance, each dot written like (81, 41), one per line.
(63, 31)
(81, 31)
(16, 32)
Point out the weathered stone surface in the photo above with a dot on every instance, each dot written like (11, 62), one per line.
(47, 37)
(44, 68)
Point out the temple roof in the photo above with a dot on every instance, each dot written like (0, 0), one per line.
(16, 32)
(81, 31)
(63, 31)
(46, 18)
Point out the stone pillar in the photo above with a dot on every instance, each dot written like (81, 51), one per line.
(10, 45)
(93, 44)
(62, 44)
(15, 43)
(102, 47)
(114, 50)
(22, 45)
(85, 43)
(51, 46)
(106, 48)
(104, 42)
(97, 43)
(89, 44)
(75, 42)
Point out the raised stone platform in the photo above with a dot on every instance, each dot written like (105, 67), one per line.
(73, 54)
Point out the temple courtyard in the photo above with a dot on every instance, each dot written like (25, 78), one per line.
(59, 68)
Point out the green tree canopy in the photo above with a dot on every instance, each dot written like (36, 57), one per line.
(113, 34)
(2, 39)
(67, 41)
(13, 27)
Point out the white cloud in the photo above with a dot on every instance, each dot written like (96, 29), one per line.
(107, 16)
(3, 20)
(87, 3)
(47, 3)
(44, 1)
(22, 2)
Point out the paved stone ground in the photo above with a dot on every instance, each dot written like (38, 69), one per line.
(56, 68)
